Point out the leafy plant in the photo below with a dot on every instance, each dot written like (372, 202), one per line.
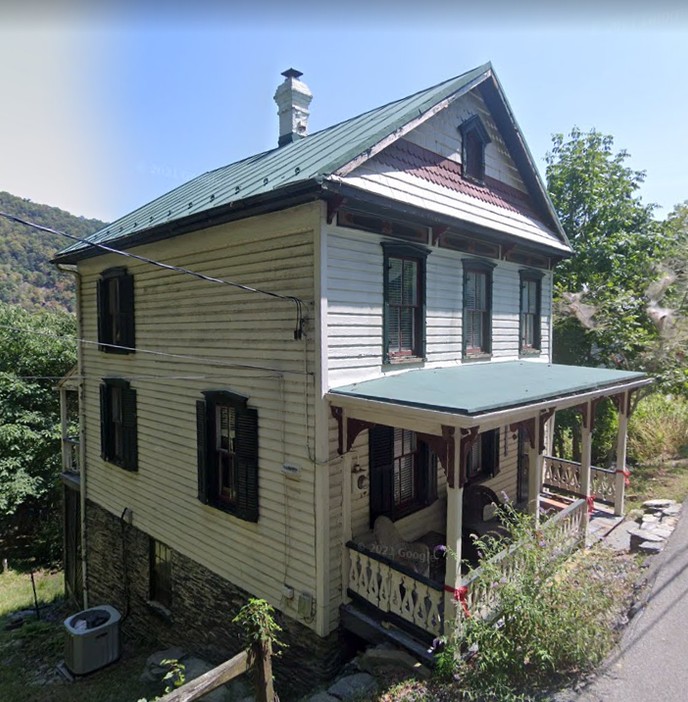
(257, 618)
(658, 430)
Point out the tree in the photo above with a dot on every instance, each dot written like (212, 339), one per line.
(36, 349)
(600, 294)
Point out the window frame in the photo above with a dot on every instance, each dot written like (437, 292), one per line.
(118, 429)
(116, 319)
(161, 589)
(474, 136)
(526, 277)
(393, 250)
(483, 268)
(383, 459)
(244, 451)
(486, 448)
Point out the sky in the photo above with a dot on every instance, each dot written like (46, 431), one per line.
(107, 106)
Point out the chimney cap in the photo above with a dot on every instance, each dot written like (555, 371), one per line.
(292, 73)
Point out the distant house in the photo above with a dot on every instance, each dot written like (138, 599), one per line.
(308, 430)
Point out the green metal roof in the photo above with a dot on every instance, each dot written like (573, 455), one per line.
(308, 159)
(473, 389)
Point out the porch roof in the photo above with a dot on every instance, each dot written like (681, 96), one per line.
(476, 389)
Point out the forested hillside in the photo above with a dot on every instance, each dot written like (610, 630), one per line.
(27, 278)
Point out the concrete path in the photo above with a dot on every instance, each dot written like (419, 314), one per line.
(651, 662)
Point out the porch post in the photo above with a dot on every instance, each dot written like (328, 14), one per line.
(534, 472)
(586, 450)
(452, 578)
(620, 477)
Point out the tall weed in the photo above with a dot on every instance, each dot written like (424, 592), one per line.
(658, 429)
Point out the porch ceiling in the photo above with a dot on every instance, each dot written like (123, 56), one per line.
(478, 389)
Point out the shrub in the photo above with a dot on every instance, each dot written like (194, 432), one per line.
(658, 429)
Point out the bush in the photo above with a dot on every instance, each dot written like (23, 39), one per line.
(658, 430)
(555, 617)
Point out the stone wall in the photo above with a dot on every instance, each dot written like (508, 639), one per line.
(203, 606)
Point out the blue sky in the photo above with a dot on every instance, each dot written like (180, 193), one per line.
(104, 110)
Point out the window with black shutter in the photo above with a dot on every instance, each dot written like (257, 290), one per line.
(118, 423)
(474, 138)
(477, 307)
(403, 473)
(404, 302)
(482, 460)
(531, 296)
(227, 431)
(116, 311)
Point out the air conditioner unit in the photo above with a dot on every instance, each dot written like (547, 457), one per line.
(92, 639)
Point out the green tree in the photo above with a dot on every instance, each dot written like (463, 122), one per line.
(36, 349)
(601, 314)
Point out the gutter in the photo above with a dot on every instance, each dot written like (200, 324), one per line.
(82, 433)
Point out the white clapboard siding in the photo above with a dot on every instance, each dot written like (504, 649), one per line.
(233, 340)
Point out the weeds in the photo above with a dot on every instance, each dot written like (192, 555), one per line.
(658, 429)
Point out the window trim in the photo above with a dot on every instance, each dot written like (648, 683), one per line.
(419, 254)
(116, 335)
(128, 460)
(486, 268)
(245, 452)
(528, 275)
(471, 128)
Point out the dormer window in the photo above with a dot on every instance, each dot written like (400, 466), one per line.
(475, 138)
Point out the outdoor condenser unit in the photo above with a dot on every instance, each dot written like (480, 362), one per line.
(92, 639)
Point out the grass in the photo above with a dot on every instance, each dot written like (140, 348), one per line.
(29, 655)
(668, 479)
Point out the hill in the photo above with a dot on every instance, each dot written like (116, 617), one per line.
(27, 278)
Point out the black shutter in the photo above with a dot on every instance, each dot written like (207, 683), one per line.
(105, 422)
(126, 301)
(488, 315)
(490, 451)
(464, 313)
(422, 303)
(130, 459)
(202, 445)
(246, 452)
(385, 310)
(101, 297)
(428, 473)
(381, 462)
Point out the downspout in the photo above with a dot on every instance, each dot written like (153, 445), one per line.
(82, 429)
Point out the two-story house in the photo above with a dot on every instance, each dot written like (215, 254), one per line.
(296, 365)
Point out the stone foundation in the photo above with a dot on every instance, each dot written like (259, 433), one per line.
(203, 606)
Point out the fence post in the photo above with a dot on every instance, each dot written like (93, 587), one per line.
(265, 691)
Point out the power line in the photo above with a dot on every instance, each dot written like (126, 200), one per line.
(298, 330)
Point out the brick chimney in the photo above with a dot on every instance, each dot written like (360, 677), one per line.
(293, 98)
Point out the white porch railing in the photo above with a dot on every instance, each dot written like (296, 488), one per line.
(390, 587)
(561, 474)
(70, 454)
(567, 529)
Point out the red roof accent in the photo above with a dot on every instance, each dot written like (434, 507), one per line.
(406, 156)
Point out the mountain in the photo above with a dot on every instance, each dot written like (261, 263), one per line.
(27, 278)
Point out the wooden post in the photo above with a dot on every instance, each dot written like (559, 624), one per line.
(586, 454)
(534, 472)
(262, 667)
(452, 578)
(620, 477)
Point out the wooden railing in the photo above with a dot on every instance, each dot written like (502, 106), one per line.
(566, 531)
(70, 454)
(561, 474)
(390, 587)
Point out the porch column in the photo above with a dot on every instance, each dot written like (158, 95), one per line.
(535, 472)
(452, 578)
(586, 450)
(620, 477)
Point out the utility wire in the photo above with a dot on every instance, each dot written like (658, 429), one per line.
(298, 330)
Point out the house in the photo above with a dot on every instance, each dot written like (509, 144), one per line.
(303, 361)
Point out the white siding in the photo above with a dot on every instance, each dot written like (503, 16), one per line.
(235, 340)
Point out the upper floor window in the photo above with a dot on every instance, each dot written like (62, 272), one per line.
(116, 311)
(228, 453)
(482, 460)
(403, 473)
(404, 302)
(477, 307)
(530, 311)
(118, 430)
(474, 138)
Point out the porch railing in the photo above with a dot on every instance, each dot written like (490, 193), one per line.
(390, 587)
(70, 454)
(568, 531)
(561, 474)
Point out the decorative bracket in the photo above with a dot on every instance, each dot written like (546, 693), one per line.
(443, 446)
(333, 205)
(544, 417)
(348, 429)
(528, 425)
(437, 233)
(468, 437)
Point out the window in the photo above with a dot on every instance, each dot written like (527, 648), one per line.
(116, 311)
(403, 473)
(531, 295)
(228, 453)
(118, 423)
(404, 302)
(477, 307)
(474, 138)
(160, 573)
(482, 460)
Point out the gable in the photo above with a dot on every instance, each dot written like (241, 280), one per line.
(424, 168)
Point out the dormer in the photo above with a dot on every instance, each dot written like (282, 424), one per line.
(474, 138)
